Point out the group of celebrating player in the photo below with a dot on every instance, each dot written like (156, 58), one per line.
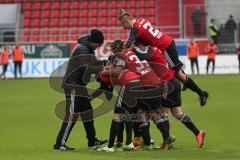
(148, 69)
(149, 73)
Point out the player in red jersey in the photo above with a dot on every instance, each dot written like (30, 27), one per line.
(144, 30)
(171, 101)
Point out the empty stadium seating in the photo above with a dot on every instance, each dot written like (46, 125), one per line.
(44, 20)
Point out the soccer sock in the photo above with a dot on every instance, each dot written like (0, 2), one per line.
(128, 132)
(137, 133)
(188, 123)
(113, 132)
(166, 122)
(120, 132)
(163, 128)
(193, 86)
(145, 133)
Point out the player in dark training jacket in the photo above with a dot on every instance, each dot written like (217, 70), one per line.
(142, 29)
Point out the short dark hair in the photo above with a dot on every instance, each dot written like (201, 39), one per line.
(96, 36)
(138, 42)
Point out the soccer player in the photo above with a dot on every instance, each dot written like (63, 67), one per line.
(77, 77)
(144, 30)
(4, 58)
(172, 100)
(18, 56)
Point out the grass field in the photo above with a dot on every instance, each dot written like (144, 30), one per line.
(28, 125)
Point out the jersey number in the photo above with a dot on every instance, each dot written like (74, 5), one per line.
(155, 33)
(141, 64)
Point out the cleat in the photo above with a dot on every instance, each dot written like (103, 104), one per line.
(200, 139)
(169, 142)
(129, 147)
(118, 145)
(147, 148)
(97, 143)
(138, 141)
(105, 149)
(203, 98)
(62, 148)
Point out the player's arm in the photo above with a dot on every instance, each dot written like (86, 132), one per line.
(114, 72)
(132, 37)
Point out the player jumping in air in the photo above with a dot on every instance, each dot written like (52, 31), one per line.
(144, 30)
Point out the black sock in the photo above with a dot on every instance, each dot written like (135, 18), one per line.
(188, 123)
(163, 128)
(193, 86)
(113, 132)
(136, 130)
(128, 132)
(120, 132)
(145, 133)
(166, 121)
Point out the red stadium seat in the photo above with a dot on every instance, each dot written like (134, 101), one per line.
(141, 4)
(26, 31)
(76, 5)
(64, 31)
(94, 13)
(27, 6)
(54, 31)
(113, 4)
(43, 38)
(123, 37)
(46, 14)
(25, 39)
(74, 38)
(84, 5)
(56, 5)
(103, 21)
(66, 13)
(26, 23)
(123, 4)
(35, 31)
(152, 20)
(74, 31)
(141, 12)
(133, 12)
(56, 14)
(151, 3)
(94, 4)
(84, 13)
(63, 38)
(27, 14)
(104, 30)
(44, 31)
(36, 6)
(65, 22)
(36, 14)
(75, 13)
(75, 22)
(65, 5)
(36, 22)
(45, 22)
(55, 22)
(113, 21)
(46, 6)
(151, 12)
(103, 4)
(132, 4)
(84, 30)
(93, 22)
(103, 12)
(112, 30)
(84, 21)
(54, 38)
(34, 39)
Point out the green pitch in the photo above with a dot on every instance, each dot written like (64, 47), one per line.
(28, 125)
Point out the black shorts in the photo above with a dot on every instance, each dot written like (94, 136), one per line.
(173, 98)
(172, 57)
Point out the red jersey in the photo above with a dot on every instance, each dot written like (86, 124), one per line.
(158, 62)
(147, 75)
(4, 57)
(144, 30)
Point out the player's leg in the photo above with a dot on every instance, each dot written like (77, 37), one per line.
(187, 121)
(5, 70)
(68, 122)
(208, 62)
(171, 55)
(197, 66)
